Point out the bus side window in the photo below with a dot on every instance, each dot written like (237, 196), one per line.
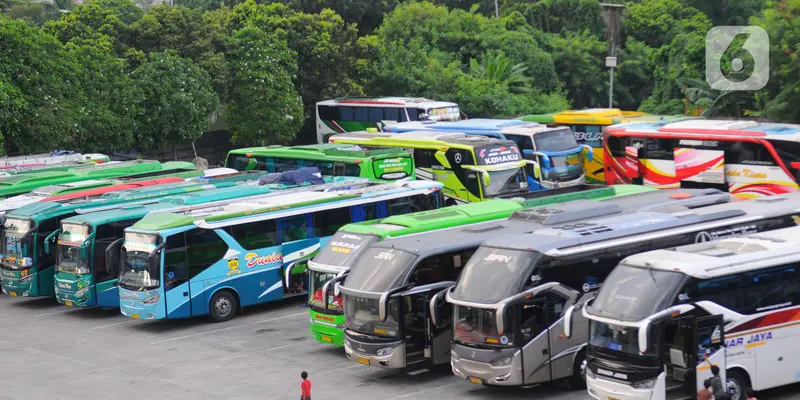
(472, 183)
(771, 289)
(399, 206)
(538, 313)
(391, 114)
(424, 158)
(176, 268)
(294, 228)
(325, 167)
(522, 141)
(748, 153)
(255, 235)
(328, 113)
(375, 114)
(346, 114)
(352, 170)
(724, 290)
(413, 114)
(327, 222)
(285, 164)
(338, 169)
(424, 202)
(361, 114)
(588, 134)
(46, 227)
(204, 248)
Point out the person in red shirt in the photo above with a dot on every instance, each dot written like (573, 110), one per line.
(305, 387)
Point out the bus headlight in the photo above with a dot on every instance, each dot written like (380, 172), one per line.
(26, 279)
(82, 292)
(384, 351)
(26, 262)
(151, 300)
(340, 327)
(502, 362)
(645, 384)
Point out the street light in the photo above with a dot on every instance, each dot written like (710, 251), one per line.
(611, 16)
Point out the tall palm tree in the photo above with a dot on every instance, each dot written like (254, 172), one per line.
(496, 67)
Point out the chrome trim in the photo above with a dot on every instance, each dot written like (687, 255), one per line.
(313, 321)
(325, 268)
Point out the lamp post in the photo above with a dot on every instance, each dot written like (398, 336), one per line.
(496, 10)
(611, 16)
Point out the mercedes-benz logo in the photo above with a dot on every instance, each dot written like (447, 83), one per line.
(703, 237)
(457, 158)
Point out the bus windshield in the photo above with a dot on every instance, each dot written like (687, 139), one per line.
(617, 338)
(506, 182)
(71, 260)
(380, 269)
(477, 326)
(632, 293)
(493, 274)
(137, 273)
(555, 140)
(14, 229)
(362, 315)
(318, 280)
(344, 248)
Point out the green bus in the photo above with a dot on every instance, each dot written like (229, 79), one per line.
(331, 159)
(87, 262)
(26, 262)
(57, 164)
(471, 167)
(339, 253)
(25, 183)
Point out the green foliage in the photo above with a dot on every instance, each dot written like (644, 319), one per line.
(178, 101)
(580, 63)
(727, 12)
(496, 67)
(656, 22)
(560, 16)
(265, 107)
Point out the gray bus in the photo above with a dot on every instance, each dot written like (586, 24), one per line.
(394, 291)
(514, 296)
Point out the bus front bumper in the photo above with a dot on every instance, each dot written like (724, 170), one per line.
(325, 328)
(18, 283)
(556, 184)
(140, 305)
(74, 292)
(392, 355)
(604, 389)
(506, 373)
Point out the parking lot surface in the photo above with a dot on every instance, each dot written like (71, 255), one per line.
(53, 352)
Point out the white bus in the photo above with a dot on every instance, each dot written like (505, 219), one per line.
(353, 114)
(664, 317)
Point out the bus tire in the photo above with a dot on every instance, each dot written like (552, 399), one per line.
(578, 380)
(223, 306)
(738, 381)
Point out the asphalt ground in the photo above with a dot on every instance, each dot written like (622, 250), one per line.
(49, 351)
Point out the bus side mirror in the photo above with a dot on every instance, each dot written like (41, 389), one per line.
(50, 238)
(113, 253)
(568, 321)
(589, 152)
(537, 170)
(441, 157)
(251, 164)
(85, 245)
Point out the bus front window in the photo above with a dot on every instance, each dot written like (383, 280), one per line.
(71, 260)
(362, 315)
(477, 326)
(138, 271)
(505, 182)
(316, 302)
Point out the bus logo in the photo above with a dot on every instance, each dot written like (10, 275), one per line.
(253, 259)
(498, 257)
(385, 255)
(233, 266)
(703, 237)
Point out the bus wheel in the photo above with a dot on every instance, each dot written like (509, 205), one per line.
(223, 306)
(736, 384)
(578, 378)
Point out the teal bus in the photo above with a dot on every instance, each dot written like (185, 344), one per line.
(87, 263)
(331, 159)
(215, 261)
(334, 259)
(26, 262)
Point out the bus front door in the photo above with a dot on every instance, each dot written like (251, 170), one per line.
(538, 318)
(298, 244)
(709, 342)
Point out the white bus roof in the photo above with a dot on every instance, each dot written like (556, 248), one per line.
(501, 126)
(447, 137)
(417, 102)
(727, 256)
(705, 127)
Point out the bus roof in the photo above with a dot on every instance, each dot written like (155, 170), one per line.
(501, 126)
(595, 116)
(604, 226)
(705, 127)
(400, 225)
(522, 223)
(712, 259)
(418, 102)
(268, 207)
(319, 151)
(431, 139)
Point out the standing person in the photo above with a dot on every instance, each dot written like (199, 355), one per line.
(705, 394)
(751, 394)
(717, 388)
(305, 387)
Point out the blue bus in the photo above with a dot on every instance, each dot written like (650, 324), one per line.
(215, 261)
(560, 157)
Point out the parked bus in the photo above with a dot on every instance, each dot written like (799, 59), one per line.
(589, 126)
(25, 183)
(359, 113)
(387, 296)
(663, 318)
(331, 159)
(472, 168)
(87, 266)
(349, 242)
(554, 148)
(746, 158)
(30, 232)
(51, 159)
(177, 265)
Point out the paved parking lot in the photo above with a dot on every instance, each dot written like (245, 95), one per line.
(53, 352)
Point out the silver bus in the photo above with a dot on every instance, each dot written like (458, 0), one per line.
(514, 296)
(394, 291)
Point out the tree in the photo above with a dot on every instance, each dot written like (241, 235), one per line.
(560, 16)
(579, 63)
(97, 23)
(265, 107)
(496, 67)
(656, 22)
(726, 12)
(178, 100)
(35, 90)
